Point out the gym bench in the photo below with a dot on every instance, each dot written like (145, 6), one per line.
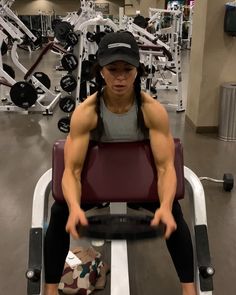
(118, 173)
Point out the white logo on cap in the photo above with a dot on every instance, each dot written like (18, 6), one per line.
(119, 45)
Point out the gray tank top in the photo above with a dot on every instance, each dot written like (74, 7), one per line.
(119, 127)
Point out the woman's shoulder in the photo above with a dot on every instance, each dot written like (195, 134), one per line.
(149, 102)
(88, 105)
(85, 112)
(153, 111)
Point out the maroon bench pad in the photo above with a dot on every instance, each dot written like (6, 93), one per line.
(117, 172)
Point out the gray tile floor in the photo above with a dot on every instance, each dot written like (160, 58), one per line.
(25, 154)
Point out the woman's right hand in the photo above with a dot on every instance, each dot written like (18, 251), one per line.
(76, 216)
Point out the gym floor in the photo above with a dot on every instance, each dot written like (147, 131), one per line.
(25, 154)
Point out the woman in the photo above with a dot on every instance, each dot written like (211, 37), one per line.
(119, 111)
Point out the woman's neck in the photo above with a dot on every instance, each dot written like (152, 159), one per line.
(118, 104)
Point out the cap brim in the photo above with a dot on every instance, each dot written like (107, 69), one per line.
(118, 57)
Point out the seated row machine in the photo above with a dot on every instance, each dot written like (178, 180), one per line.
(118, 173)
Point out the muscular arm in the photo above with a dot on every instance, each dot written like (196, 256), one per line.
(162, 145)
(76, 145)
(74, 154)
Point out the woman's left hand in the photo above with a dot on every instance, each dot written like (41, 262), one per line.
(165, 216)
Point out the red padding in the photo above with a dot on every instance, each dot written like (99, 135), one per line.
(117, 172)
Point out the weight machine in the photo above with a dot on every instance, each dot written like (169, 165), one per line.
(86, 12)
(189, 25)
(75, 19)
(118, 189)
(85, 48)
(159, 57)
(23, 94)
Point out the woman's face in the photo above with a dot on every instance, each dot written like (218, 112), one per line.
(119, 77)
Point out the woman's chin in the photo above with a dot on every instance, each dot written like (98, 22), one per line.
(119, 90)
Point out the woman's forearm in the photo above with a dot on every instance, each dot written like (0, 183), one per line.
(166, 186)
(71, 187)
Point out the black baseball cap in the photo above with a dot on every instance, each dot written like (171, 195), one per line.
(118, 46)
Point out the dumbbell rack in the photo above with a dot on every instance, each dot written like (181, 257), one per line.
(74, 64)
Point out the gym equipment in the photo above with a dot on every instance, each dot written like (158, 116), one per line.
(32, 45)
(133, 180)
(72, 39)
(47, 101)
(120, 227)
(55, 22)
(69, 62)
(86, 70)
(23, 94)
(91, 37)
(15, 28)
(87, 88)
(62, 29)
(9, 70)
(44, 79)
(64, 124)
(228, 181)
(84, 50)
(40, 84)
(163, 56)
(68, 83)
(4, 48)
(67, 104)
(85, 12)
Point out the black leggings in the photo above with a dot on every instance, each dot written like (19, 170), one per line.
(57, 242)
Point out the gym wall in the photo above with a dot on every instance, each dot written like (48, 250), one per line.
(144, 6)
(132, 6)
(212, 63)
(61, 7)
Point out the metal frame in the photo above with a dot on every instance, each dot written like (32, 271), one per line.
(18, 36)
(119, 254)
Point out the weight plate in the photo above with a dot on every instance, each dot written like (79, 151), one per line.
(44, 79)
(64, 124)
(61, 30)
(72, 39)
(68, 83)
(55, 22)
(23, 94)
(69, 62)
(91, 37)
(120, 226)
(67, 104)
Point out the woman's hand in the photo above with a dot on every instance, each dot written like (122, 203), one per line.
(77, 216)
(165, 216)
